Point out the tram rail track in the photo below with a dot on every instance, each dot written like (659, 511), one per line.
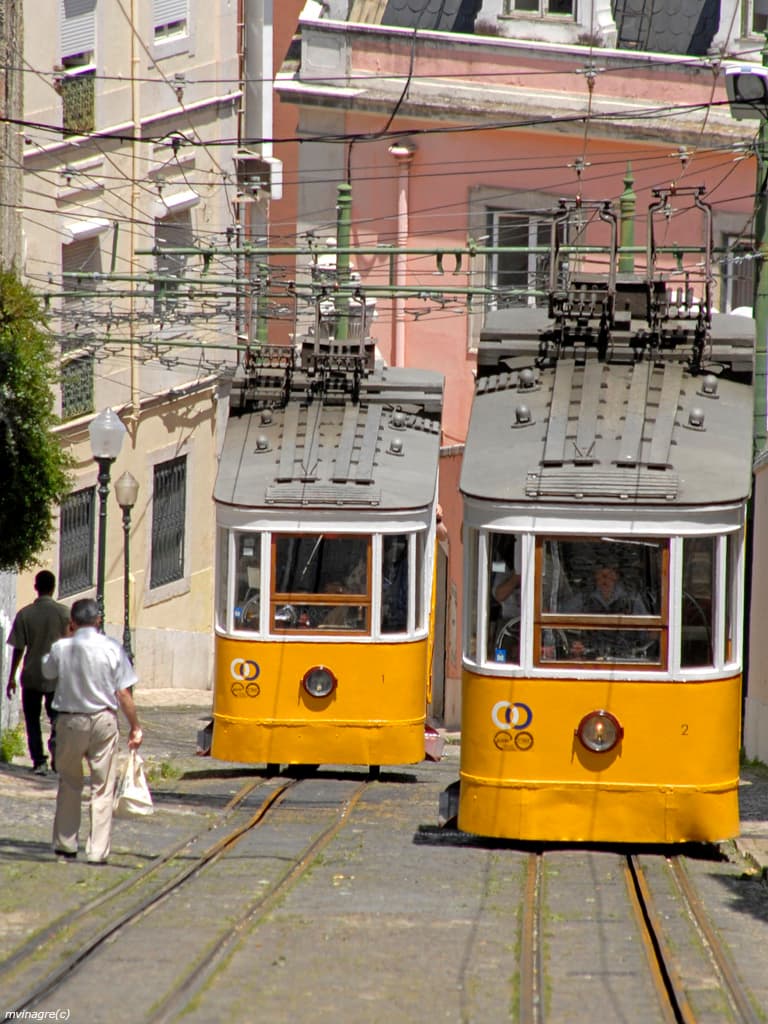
(531, 958)
(48, 936)
(198, 975)
(30, 995)
(669, 972)
(685, 956)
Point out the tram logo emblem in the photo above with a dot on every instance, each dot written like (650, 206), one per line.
(507, 714)
(244, 676)
(505, 740)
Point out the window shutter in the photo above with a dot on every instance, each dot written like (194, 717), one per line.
(78, 27)
(167, 11)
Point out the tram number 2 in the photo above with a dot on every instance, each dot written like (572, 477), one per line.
(684, 729)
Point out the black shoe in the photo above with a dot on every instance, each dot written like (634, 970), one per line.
(40, 769)
(67, 854)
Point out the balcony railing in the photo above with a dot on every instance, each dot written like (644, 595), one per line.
(78, 102)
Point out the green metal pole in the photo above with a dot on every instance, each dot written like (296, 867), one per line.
(343, 232)
(760, 311)
(627, 206)
(262, 323)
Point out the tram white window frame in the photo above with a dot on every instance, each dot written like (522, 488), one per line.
(478, 569)
(414, 619)
(493, 566)
(223, 575)
(727, 604)
(231, 606)
(474, 599)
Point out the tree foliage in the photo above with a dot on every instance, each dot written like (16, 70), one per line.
(33, 465)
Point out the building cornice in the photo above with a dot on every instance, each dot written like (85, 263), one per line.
(127, 127)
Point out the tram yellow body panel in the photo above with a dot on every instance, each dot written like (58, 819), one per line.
(374, 716)
(672, 778)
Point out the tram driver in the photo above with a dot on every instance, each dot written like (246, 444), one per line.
(609, 596)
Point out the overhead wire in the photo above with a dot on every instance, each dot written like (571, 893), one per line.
(378, 136)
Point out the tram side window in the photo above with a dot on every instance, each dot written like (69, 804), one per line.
(697, 649)
(395, 588)
(503, 622)
(591, 589)
(470, 593)
(421, 581)
(321, 581)
(222, 561)
(247, 580)
(731, 647)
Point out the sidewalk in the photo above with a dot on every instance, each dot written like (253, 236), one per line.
(752, 842)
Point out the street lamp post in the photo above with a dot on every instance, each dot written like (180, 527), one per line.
(126, 492)
(106, 432)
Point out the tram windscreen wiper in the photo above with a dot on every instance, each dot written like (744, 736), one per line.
(312, 554)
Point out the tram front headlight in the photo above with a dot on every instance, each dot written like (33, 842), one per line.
(319, 681)
(600, 731)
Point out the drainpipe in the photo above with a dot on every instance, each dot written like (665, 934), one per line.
(258, 17)
(403, 155)
(133, 416)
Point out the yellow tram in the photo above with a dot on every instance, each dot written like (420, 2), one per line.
(605, 480)
(325, 514)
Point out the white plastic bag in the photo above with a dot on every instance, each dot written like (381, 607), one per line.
(132, 794)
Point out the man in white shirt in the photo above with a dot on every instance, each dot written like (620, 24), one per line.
(94, 677)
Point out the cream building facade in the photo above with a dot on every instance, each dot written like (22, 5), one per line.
(134, 111)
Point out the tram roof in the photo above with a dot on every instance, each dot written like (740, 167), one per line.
(379, 451)
(608, 433)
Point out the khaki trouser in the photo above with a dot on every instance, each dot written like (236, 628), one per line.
(93, 737)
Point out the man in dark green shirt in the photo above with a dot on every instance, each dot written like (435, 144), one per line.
(35, 629)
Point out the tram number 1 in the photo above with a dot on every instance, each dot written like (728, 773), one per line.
(684, 729)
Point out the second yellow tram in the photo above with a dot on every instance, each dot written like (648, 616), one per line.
(605, 480)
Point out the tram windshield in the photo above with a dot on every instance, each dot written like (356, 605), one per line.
(600, 599)
(321, 581)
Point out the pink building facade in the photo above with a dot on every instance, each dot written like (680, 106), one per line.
(456, 144)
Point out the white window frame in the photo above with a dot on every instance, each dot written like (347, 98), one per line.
(750, 9)
(535, 224)
(171, 28)
(483, 200)
(737, 249)
(511, 9)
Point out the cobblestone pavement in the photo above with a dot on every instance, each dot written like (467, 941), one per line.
(191, 791)
(172, 717)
